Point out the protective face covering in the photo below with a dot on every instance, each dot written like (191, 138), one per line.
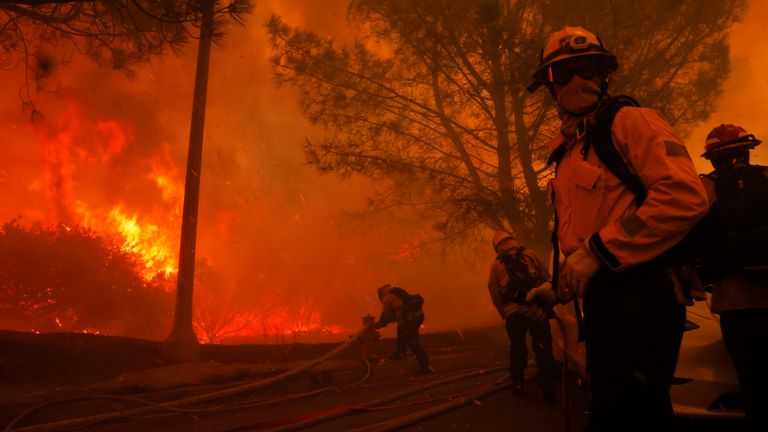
(579, 96)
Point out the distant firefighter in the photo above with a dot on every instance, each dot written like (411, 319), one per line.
(398, 306)
(736, 264)
(514, 274)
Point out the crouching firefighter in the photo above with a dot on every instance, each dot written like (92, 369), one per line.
(735, 262)
(407, 310)
(625, 194)
(515, 272)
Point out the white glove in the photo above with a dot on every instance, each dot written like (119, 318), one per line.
(577, 270)
(542, 295)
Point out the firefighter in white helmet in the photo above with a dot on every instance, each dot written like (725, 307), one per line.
(516, 272)
(625, 192)
(405, 309)
(735, 260)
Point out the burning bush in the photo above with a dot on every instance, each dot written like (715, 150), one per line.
(71, 279)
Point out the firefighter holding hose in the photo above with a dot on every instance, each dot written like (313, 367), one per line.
(625, 194)
(405, 309)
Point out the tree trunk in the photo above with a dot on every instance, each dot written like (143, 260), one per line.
(539, 199)
(182, 332)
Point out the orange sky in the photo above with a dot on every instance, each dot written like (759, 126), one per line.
(268, 222)
(745, 93)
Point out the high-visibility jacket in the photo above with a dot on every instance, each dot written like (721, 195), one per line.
(594, 207)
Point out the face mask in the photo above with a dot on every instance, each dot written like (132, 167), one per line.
(579, 96)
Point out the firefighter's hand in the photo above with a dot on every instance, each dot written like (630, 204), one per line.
(542, 295)
(578, 269)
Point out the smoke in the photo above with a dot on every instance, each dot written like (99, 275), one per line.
(271, 229)
(745, 93)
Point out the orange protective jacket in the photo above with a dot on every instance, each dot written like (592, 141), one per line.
(392, 308)
(498, 278)
(595, 208)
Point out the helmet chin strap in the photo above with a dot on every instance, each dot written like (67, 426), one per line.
(603, 88)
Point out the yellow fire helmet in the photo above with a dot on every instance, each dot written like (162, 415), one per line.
(569, 42)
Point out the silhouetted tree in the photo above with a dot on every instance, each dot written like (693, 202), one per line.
(117, 33)
(432, 96)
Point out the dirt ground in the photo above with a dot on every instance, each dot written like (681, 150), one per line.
(36, 368)
(39, 368)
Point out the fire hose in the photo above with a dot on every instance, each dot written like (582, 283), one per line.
(301, 425)
(407, 420)
(88, 420)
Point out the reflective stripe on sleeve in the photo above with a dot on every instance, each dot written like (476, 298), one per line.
(598, 248)
(632, 225)
(676, 149)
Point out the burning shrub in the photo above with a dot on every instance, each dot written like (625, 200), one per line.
(71, 279)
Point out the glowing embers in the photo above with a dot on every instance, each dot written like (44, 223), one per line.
(276, 321)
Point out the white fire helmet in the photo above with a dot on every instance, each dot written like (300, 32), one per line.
(569, 42)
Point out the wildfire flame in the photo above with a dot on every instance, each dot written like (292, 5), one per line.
(149, 241)
(71, 145)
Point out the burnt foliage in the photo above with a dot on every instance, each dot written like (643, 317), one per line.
(71, 279)
(40, 35)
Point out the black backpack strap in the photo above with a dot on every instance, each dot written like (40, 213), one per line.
(600, 139)
(556, 156)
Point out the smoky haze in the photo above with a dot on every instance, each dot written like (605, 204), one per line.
(745, 93)
(271, 230)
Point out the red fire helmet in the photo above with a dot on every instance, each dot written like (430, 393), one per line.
(728, 137)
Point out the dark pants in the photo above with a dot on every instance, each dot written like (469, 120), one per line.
(401, 342)
(541, 341)
(408, 336)
(633, 328)
(744, 334)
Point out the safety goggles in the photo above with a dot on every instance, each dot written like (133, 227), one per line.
(551, 71)
(586, 66)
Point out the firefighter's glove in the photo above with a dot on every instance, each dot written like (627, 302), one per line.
(578, 269)
(542, 295)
